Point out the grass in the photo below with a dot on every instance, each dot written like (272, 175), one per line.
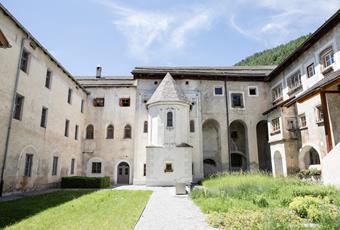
(259, 201)
(75, 209)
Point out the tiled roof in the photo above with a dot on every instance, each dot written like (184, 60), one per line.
(167, 91)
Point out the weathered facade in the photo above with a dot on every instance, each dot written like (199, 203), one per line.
(164, 125)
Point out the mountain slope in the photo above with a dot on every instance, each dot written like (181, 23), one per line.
(273, 56)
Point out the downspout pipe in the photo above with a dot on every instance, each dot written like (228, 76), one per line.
(227, 116)
(11, 115)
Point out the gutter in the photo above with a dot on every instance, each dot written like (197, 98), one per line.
(227, 116)
(11, 115)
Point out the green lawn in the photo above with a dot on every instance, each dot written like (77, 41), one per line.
(75, 209)
(259, 201)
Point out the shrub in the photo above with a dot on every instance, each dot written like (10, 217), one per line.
(308, 173)
(85, 182)
(316, 209)
(261, 201)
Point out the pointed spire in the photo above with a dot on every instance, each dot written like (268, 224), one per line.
(168, 91)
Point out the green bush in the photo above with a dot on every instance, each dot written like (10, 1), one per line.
(316, 209)
(308, 173)
(261, 201)
(85, 182)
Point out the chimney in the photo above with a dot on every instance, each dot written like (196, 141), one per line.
(99, 71)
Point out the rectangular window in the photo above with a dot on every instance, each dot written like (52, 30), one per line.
(73, 161)
(48, 79)
(275, 125)
(319, 114)
(294, 81)
(169, 119)
(168, 167)
(302, 121)
(24, 61)
(82, 106)
(327, 57)
(145, 127)
(144, 170)
(192, 126)
(43, 120)
(28, 165)
(237, 100)
(55, 166)
(98, 102)
(96, 167)
(218, 91)
(124, 102)
(310, 70)
(67, 126)
(18, 107)
(69, 96)
(277, 93)
(76, 130)
(252, 91)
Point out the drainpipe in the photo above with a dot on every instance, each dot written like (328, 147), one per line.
(11, 115)
(227, 115)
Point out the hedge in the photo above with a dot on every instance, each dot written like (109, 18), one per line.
(85, 182)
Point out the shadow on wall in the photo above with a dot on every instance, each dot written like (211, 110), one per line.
(16, 210)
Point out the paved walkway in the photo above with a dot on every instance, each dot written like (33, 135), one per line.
(166, 211)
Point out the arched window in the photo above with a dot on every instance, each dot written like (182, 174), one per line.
(109, 132)
(145, 128)
(169, 119)
(192, 126)
(127, 131)
(89, 132)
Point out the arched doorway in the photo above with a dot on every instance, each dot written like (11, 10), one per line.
(278, 163)
(238, 146)
(308, 157)
(211, 147)
(263, 147)
(123, 173)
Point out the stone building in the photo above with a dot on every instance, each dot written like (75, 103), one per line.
(164, 125)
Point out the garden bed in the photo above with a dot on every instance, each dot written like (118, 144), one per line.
(259, 201)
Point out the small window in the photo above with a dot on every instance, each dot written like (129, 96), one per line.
(124, 102)
(277, 93)
(252, 91)
(28, 165)
(144, 170)
(76, 131)
(302, 121)
(24, 61)
(275, 125)
(18, 107)
(89, 132)
(310, 70)
(96, 167)
(237, 100)
(109, 132)
(82, 106)
(48, 79)
(43, 120)
(98, 102)
(145, 127)
(319, 114)
(67, 126)
(55, 166)
(192, 126)
(218, 91)
(168, 168)
(294, 81)
(69, 96)
(73, 161)
(169, 119)
(327, 57)
(127, 132)
(187, 82)
(155, 82)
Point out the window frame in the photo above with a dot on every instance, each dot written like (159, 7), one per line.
(96, 167)
(169, 119)
(67, 128)
(127, 132)
(28, 165)
(69, 96)
(192, 126)
(17, 114)
(48, 79)
(293, 81)
(242, 100)
(55, 160)
(256, 89)
(277, 96)
(26, 60)
(319, 114)
(89, 136)
(76, 132)
(111, 136)
(310, 66)
(73, 162)
(82, 106)
(145, 127)
(125, 102)
(302, 121)
(275, 128)
(99, 102)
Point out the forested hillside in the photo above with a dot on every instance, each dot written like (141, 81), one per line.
(273, 56)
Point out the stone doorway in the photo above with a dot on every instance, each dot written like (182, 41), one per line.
(123, 173)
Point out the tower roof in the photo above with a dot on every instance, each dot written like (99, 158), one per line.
(167, 91)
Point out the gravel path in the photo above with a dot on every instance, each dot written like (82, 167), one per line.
(166, 211)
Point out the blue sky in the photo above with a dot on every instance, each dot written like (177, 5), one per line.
(120, 35)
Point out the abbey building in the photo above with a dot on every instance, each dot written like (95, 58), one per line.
(163, 125)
